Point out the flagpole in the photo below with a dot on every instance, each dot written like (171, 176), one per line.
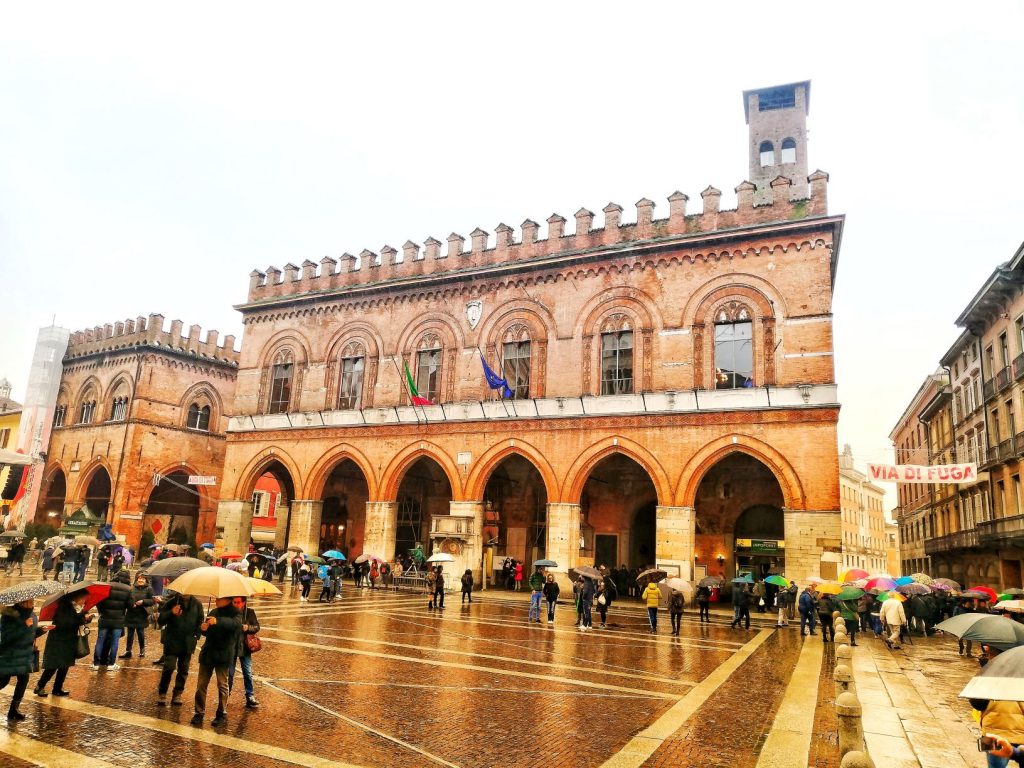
(401, 375)
(501, 367)
(484, 361)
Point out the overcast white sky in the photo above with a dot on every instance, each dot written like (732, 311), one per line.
(152, 156)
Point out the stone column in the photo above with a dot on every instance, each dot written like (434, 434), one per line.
(379, 534)
(563, 545)
(810, 535)
(234, 520)
(675, 536)
(472, 549)
(304, 527)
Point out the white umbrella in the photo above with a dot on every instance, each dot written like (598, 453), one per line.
(679, 584)
(364, 557)
(440, 557)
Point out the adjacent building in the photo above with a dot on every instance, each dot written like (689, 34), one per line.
(862, 507)
(10, 417)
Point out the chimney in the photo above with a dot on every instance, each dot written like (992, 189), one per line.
(584, 222)
(556, 228)
(455, 244)
(677, 211)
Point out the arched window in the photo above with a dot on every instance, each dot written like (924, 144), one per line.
(767, 151)
(87, 412)
(353, 362)
(119, 409)
(788, 151)
(281, 373)
(616, 356)
(198, 418)
(59, 415)
(428, 367)
(734, 347)
(515, 359)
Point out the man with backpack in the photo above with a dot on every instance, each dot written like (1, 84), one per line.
(704, 603)
(675, 610)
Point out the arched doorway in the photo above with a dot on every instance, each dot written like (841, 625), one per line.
(515, 510)
(271, 498)
(343, 521)
(172, 512)
(423, 494)
(617, 514)
(97, 493)
(52, 506)
(739, 520)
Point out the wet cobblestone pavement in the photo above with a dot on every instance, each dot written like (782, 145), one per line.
(378, 680)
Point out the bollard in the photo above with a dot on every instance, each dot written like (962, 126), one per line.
(844, 655)
(843, 678)
(851, 729)
(856, 759)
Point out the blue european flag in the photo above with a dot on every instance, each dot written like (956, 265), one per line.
(494, 381)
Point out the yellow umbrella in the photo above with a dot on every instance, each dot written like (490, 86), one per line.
(830, 588)
(262, 587)
(210, 581)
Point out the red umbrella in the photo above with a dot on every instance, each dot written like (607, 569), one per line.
(853, 575)
(987, 591)
(230, 555)
(95, 591)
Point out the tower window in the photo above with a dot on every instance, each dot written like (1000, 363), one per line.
(767, 154)
(788, 151)
(776, 98)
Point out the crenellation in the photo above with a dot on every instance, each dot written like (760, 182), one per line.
(154, 327)
(677, 212)
(175, 334)
(291, 273)
(712, 201)
(612, 223)
(193, 344)
(745, 198)
(502, 238)
(556, 230)
(119, 329)
(140, 332)
(782, 189)
(818, 203)
(456, 242)
(644, 217)
(308, 270)
(211, 339)
(389, 263)
(530, 228)
(584, 222)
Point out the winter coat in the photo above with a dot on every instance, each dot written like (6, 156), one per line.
(651, 595)
(112, 609)
(254, 627)
(611, 592)
(220, 649)
(138, 616)
(180, 633)
(740, 596)
(47, 559)
(467, 582)
(677, 602)
(587, 591)
(536, 582)
(892, 613)
(806, 602)
(703, 595)
(551, 591)
(519, 571)
(16, 640)
(62, 640)
(1004, 719)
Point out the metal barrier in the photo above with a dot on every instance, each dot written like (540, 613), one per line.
(417, 581)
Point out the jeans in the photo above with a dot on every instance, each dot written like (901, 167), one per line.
(107, 639)
(203, 682)
(306, 585)
(996, 762)
(246, 662)
(652, 615)
(807, 619)
(551, 610)
(534, 606)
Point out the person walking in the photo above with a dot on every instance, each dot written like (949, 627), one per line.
(429, 582)
(180, 617)
(551, 591)
(536, 586)
(792, 590)
(324, 573)
(112, 610)
(893, 620)
(439, 588)
(519, 576)
(221, 629)
(741, 595)
(848, 610)
(808, 610)
(467, 586)
(652, 596)
(704, 603)
(825, 608)
(611, 594)
(137, 616)
(250, 628)
(587, 591)
(61, 651)
(603, 601)
(17, 557)
(577, 598)
(47, 562)
(305, 577)
(782, 602)
(374, 574)
(19, 628)
(103, 564)
(864, 611)
(675, 610)
(337, 576)
(759, 598)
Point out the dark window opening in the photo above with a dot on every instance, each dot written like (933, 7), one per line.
(199, 418)
(350, 395)
(776, 98)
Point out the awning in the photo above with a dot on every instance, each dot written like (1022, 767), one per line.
(16, 459)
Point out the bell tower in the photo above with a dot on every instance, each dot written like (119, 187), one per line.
(777, 118)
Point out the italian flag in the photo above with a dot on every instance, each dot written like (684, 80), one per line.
(413, 392)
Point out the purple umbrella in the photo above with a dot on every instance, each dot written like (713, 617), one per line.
(913, 589)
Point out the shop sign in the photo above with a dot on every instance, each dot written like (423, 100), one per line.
(762, 546)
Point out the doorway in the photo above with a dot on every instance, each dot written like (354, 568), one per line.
(606, 550)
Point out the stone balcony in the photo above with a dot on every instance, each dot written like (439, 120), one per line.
(952, 542)
(1003, 531)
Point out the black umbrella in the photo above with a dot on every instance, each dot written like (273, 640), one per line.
(586, 571)
(173, 567)
(651, 574)
(710, 581)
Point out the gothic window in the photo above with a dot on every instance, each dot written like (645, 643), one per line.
(788, 151)
(516, 361)
(353, 362)
(767, 151)
(87, 411)
(734, 347)
(281, 375)
(198, 418)
(119, 409)
(428, 368)
(616, 356)
(59, 415)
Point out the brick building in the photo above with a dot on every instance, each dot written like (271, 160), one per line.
(862, 507)
(139, 411)
(673, 393)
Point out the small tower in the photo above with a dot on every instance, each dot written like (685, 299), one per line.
(5, 389)
(777, 117)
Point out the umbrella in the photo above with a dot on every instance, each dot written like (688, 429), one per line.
(154, 546)
(294, 548)
(209, 581)
(545, 564)
(30, 591)
(970, 593)
(710, 581)
(921, 578)
(256, 557)
(853, 574)
(1002, 679)
(262, 587)
(651, 574)
(1011, 606)
(95, 591)
(1010, 594)
(892, 596)
(914, 588)
(586, 571)
(207, 545)
(882, 583)
(778, 581)
(815, 580)
(173, 567)
(985, 628)
(941, 587)
(949, 583)
(987, 591)
(440, 557)
(236, 567)
(743, 579)
(903, 580)
(365, 556)
(15, 534)
(313, 559)
(830, 588)
(332, 554)
(850, 593)
(681, 585)
(87, 541)
(230, 555)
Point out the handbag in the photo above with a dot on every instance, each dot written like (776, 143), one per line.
(253, 643)
(35, 659)
(82, 649)
(602, 600)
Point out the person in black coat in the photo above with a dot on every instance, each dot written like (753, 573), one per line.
(551, 591)
(220, 649)
(61, 651)
(179, 618)
(136, 618)
(111, 625)
(250, 626)
(19, 629)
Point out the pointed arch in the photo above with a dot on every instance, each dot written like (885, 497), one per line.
(321, 471)
(577, 475)
(489, 461)
(85, 477)
(395, 471)
(207, 500)
(712, 453)
(258, 465)
(196, 393)
(122, 378)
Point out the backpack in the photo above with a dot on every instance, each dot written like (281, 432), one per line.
(825, 606)
(321, 572)
(677, 603)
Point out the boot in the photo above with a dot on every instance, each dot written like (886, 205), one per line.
(14, 716)
(251, 703)
(176, 701)
(220, 719)
(125, 655)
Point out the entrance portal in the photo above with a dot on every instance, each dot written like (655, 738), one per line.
(423, 493)
(516, 504)
(619, 500)
(343, 521)
(97, 493)
(271, 499)
(172, 512)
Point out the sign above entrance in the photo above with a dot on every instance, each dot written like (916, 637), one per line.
(202, 480)
(763, 546)
(910, 473)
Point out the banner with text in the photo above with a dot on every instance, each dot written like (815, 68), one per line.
(910, 473)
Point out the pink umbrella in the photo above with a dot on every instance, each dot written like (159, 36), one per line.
(881, 583)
